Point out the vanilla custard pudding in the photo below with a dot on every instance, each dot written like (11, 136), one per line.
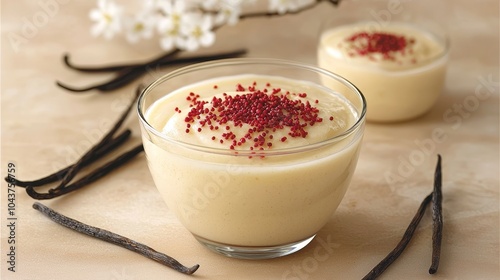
(399, 68)
(252, 164)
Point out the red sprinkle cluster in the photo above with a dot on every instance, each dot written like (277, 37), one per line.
(379, 42)
(265, 111)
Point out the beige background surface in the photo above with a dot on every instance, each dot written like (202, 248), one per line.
(45, 128)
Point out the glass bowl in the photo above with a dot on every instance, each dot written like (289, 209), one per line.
(400, 66)
(251, 200)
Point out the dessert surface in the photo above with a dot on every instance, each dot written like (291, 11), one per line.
(251, 112)
(395, 46)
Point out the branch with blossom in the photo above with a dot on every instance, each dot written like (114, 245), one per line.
(183, 24)
(179, 26)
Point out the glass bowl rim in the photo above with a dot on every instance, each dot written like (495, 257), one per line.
(247, 61)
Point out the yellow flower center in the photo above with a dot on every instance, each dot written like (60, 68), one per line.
(197, 32)
(108, 18)
(138, 27)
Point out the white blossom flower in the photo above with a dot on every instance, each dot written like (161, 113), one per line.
(169, 26)
(229, 12)
(140, 27)
(181, 24)
(153, 6)
(170, 32)
(198, 31)
(209, 4)
(284, 6)
(107, 16)
(174, 9)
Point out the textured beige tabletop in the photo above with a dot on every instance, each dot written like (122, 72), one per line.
(45, 128)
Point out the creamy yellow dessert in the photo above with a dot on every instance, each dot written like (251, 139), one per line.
(252, 160)
(400, 69)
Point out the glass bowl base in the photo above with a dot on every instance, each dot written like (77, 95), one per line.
(254, 252)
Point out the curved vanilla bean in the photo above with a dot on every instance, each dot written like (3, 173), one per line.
(437, 217)
(114, 238)
(161, 63)
(89, 154)
(396, 252)
(129, 73)
(90, 178)
(98, 69)
(109, 147)
(126, 77)
(113, 68)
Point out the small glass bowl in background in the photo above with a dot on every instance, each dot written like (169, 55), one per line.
(395, 92)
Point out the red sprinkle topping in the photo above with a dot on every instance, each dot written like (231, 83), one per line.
(263, 112)
(365, 43)
(239, 87)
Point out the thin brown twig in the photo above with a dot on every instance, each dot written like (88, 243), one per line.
(293, 12)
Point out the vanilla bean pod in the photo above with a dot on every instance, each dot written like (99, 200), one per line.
(165, 62)
(396, 252)
(435, 197)
(98, 69)
(124, 78)
(104, 146)
(437, 217)
(89, 154)
(129, 73)
(88, 179)
(59, 175)
(114, 238)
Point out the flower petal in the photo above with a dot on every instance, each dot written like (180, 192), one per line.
(191, 44)
(95, 15)
(98, 28)
(207, 39)
(167, 43)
